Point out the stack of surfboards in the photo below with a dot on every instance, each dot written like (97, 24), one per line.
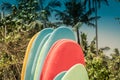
(54, 54)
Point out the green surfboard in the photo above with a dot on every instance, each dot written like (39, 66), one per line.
(76, 72)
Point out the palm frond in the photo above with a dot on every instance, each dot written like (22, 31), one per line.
(93, 18)
(89, 12)
(90, 24)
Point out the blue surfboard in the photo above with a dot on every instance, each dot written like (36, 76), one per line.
(33, 51)
(26, 55)
(37, 55)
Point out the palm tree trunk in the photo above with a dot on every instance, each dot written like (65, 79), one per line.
(96, 23)
(78, 37)
(77, 26)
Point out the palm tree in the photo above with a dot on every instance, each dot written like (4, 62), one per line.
(75, 15)
(96, 4)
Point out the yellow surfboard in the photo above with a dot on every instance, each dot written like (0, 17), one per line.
(26, 55)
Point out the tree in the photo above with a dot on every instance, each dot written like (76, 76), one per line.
(26, 11)
(74, 13)
(43, 8)
(96, 4)
(114, 65)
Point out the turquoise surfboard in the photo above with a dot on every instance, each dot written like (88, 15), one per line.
(59, 33)
(26, 55)
(63, 54)
(33, 51)
(37, 55)
(76, 72)
(59, 76)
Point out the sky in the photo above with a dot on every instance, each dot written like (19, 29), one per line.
(108, 27)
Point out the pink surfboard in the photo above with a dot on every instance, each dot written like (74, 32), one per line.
(62, 56)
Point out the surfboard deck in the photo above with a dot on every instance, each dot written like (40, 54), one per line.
(64, 54)
(76, 72)
(59, 33)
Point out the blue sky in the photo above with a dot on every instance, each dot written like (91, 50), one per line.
(108, 27)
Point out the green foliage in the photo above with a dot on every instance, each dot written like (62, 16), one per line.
(13, 46)
(26, 11)
(11, 55)
(97, 69)
(100, 67)
(114, 65)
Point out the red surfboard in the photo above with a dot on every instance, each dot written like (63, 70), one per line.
(63, 55)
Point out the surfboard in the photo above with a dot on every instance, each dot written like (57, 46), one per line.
(59, 33)
(59, 76)
(62, 56)
(37, 54)
(76, 72)
(33, 51)
(26, 56)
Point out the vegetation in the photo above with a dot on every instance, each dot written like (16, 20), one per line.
(100, 67)
(31, 16)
